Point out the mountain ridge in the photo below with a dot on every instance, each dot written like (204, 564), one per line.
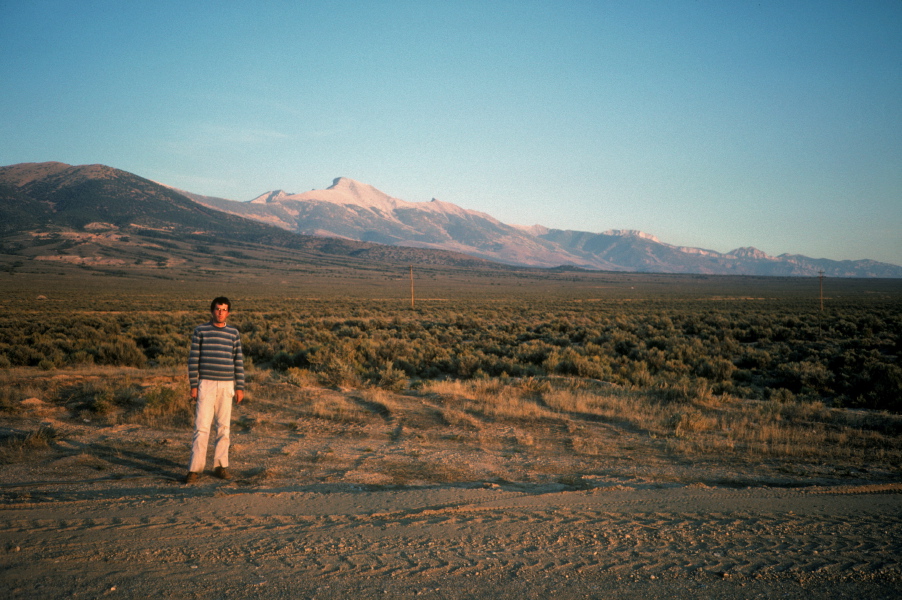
(351, 218)
(99, 215)
(354, 210)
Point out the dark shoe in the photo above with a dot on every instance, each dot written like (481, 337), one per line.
(192, 477)
(222, 473)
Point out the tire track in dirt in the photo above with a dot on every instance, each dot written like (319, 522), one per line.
(587, 535)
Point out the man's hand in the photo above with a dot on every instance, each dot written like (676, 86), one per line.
(239, 396)
(194, 394)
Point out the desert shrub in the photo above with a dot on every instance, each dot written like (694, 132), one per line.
(283, 361)
(388, 377)
(16, 445)
(688, 422)
(656, 359)
(570, 401)
(806, 375)
(876, 386)
(164, 406)
(715, 369)
(121, 351)
(81, 357)
(754, 358)
(636, 374)
(10, 396)
(466, 364)
(780, 395)
(570, 362)
(101, 399)
(684, 391)
(163, 349)
(336, 365)
(535, 385)
(299, 377)
(534, 352)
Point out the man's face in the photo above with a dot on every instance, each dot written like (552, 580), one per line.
(220, 313)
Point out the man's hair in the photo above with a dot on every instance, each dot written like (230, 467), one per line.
(220, 300)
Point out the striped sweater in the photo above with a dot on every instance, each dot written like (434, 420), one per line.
(216, 354)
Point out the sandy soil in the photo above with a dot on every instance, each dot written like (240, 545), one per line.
(390, 508)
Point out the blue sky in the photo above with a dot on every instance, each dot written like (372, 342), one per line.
(706, 123)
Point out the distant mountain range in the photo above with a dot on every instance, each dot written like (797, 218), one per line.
(357, 211)
(55, 211)
(95, 215)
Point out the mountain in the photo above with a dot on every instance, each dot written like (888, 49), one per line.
(640, 252)
(356, 211)
(98, 215)
(95, 214)
(56, 195)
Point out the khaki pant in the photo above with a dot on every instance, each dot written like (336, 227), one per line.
(214, 403)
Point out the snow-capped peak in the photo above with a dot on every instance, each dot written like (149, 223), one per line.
(632, 233)
(750, 252)
(350, 192)
(274, 196)
(532, 229)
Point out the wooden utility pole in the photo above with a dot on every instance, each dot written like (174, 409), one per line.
(820, 277)
(411, 287)
(820, 315)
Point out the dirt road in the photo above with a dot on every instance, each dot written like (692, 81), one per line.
(159, 539)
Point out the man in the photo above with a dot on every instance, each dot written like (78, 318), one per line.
(216, 373)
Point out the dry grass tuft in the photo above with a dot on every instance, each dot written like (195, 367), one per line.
(301, 378)
(418, 472)
(334, 406)
(488, 398)
(165, 407)
(17, 446)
